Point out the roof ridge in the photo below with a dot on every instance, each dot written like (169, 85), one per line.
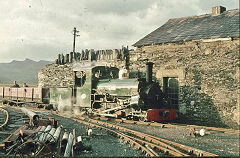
(202, 15)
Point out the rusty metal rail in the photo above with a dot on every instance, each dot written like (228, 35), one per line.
(172, 148)
(7, 117)
(175, 125)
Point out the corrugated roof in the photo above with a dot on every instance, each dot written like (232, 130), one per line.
(194, 28)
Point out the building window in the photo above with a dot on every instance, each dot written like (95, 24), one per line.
(171, 88)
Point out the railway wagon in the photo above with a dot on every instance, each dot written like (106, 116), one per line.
(26, 94)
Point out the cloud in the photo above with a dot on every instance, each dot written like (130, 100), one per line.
(40, 29)
(33, 51)
(119, 7)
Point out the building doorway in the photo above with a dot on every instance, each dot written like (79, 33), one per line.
(171, 88)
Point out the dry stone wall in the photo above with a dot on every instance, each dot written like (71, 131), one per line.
(208, 74)
(96, 55)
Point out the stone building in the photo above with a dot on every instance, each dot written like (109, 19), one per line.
(197, 63)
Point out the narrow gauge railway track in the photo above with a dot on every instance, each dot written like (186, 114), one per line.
(173, 125)
(151, 145)
(170, 125)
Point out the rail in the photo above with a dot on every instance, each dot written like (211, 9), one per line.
(175, 125)
(7, 117)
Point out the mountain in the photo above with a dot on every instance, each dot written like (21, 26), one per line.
(21, 71)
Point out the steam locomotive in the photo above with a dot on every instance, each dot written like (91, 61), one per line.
(106, 91)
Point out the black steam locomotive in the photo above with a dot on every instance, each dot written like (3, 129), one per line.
(136, 98)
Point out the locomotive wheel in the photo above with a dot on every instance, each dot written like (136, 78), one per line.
(143, 119)
(135, 118)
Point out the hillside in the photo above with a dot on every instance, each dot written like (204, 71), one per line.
(21, 71)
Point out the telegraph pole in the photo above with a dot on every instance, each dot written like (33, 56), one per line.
(75, 31)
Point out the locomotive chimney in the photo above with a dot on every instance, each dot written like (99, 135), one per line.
(149, 67)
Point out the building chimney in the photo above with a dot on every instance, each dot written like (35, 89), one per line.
(218, 10)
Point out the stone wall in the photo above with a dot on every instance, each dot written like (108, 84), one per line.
(94, 55)
(208, 75)
(55, 75)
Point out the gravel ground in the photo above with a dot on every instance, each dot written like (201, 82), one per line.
(222, 144)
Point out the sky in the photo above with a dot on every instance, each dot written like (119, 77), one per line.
(41, 29)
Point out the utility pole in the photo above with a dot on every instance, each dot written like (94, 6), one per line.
(75, 31)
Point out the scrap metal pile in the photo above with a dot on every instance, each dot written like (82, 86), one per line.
(42, 137)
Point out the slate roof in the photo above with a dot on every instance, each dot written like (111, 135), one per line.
(194, 28)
